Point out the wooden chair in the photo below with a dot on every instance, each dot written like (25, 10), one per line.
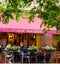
(55, 56)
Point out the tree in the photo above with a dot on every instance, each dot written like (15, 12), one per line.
(49, 11)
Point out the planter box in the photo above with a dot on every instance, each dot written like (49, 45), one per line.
(50, 50)
(32, 50)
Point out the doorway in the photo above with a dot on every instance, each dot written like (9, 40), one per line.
(27, 39)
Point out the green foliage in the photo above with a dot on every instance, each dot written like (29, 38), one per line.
(2, 9)
(57, 38)
(49, 48)
(51, 11)
(15, 47)
(48, 10)
(32, 48)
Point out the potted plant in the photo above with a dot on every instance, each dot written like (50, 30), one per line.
(33, 48)
(15, 48)
(49, 48)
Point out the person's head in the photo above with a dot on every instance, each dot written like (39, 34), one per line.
(21, 44)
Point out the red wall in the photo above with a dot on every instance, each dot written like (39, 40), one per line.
(48, 39)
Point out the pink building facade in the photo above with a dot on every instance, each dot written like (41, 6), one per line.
(23, 26)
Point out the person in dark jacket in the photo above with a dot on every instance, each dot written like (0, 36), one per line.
(24, 49)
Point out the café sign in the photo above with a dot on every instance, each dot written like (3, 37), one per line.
(29, 31)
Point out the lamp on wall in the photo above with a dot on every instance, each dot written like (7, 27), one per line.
(34, 36)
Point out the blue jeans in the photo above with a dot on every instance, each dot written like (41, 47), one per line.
(25, 56)
(20, 58)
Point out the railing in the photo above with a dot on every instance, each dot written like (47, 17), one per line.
(54, 55)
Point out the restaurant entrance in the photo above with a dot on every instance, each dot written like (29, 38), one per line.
(26, 38)
(30, 39)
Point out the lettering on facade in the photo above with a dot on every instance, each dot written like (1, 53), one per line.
(29, 31)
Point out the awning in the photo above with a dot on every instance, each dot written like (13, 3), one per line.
(23, 26)
(17, 30)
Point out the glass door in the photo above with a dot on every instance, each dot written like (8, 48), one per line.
(31, 39)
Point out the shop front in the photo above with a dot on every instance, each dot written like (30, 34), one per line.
(15, 39)
(26, 38)
(24, 31)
